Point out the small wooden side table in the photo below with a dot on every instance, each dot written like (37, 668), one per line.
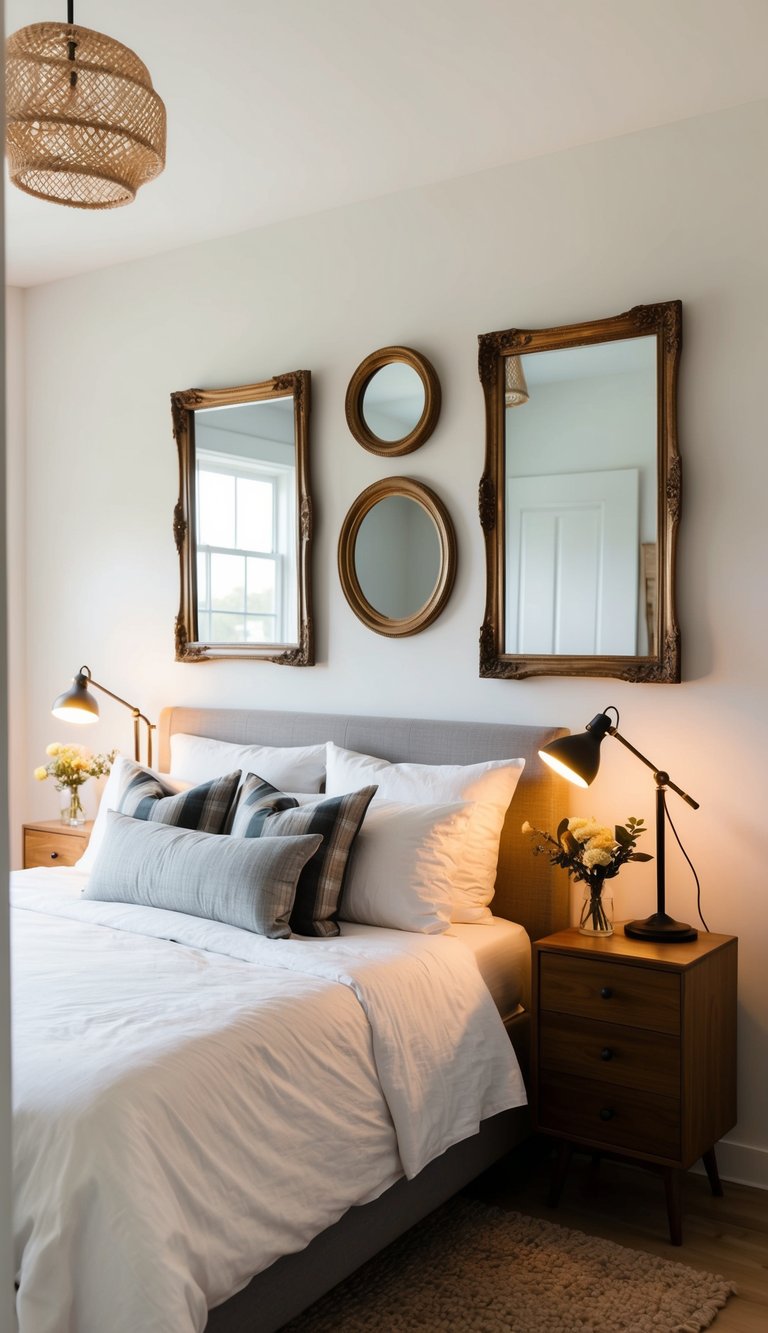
(634, 1052)
(51, 843)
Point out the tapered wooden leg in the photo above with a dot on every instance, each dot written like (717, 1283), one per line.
(559, 1172)
(673, 1185)
(713, 1175)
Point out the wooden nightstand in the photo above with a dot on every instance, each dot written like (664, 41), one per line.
(634, 1052)
(51, 843)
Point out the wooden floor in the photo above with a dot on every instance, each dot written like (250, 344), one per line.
(624, 1204)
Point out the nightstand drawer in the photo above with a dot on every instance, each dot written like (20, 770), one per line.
(52, 845)
(609, 1116)
(610, 1053)
(610, 991)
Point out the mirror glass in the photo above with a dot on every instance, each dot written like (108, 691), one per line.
(580, 498)
(242, 522)
(393, 401)
(397, 556)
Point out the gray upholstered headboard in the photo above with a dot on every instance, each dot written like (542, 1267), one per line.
(528, 889)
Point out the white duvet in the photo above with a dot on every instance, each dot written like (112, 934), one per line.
(193, 1100)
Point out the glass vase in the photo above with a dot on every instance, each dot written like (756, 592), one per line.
(596, 913)
(72, 812)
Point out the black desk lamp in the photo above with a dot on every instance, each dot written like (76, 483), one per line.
(77, 705)
(577, 758)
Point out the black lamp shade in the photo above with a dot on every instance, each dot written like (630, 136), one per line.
(76, 704)
(577, 758)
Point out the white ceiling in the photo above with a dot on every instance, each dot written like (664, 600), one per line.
(278, 108)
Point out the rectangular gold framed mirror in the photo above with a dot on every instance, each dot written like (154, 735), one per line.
(580, 498)
(243, 522)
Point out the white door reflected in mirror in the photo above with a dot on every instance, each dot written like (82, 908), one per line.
(581, 500)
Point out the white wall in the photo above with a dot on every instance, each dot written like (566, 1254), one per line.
(674, 212)
(6, 1226)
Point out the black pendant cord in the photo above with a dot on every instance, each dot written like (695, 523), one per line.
(71, 44)
(690, 862)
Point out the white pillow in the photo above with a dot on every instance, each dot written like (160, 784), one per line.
(402, 866)
(294, 767)
(488, 786)
(120, 775)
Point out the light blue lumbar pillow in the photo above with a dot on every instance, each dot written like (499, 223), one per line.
(245, 882)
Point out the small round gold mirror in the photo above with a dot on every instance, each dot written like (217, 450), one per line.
(397, 556)
(393, 401)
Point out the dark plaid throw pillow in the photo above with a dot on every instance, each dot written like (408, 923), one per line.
(262, 811)
(204, 808)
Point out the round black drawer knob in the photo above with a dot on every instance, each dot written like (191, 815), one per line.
(606, 993)
(607, 1113)
(606, 1053)
(54, 856)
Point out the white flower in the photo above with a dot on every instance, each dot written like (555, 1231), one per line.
(584, 829)
(596, 856)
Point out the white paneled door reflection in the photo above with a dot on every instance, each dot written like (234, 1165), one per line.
(572, 570)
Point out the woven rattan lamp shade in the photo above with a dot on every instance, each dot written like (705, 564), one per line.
(84, 126)
(515, 387)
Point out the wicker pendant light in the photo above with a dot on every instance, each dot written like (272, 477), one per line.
(84, 126)
(515, 387)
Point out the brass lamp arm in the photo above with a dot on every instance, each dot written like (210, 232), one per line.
(85, 677)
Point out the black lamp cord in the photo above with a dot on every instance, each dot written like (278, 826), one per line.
(688, 859)
(613, 709)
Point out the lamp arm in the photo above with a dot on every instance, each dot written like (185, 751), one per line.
(663, 779)
(138, 716)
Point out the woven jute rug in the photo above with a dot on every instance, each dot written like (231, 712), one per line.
(485, 1270)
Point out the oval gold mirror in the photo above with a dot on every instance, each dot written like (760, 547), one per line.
(397, 556)
(393, 401)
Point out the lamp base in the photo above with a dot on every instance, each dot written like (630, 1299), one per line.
(660, 927)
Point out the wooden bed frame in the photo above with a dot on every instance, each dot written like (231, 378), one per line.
(527, 890)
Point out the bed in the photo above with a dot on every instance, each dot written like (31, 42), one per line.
(337, 982)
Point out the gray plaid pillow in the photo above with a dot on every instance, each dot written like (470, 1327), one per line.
(263, 811)
(204, 808)
(246, 884)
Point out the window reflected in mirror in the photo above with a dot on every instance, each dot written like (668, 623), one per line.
(245, 472)
(243, 522)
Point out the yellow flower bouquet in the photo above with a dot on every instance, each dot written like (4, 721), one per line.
(70, 766)
(591, 853)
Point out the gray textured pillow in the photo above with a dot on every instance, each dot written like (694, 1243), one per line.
(249, 883)
(262, 811)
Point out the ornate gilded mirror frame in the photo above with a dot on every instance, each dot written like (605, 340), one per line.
(408, 489)
(184, 406)
(664, 322)
(360, 381)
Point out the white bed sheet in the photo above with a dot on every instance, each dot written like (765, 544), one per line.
(193, 1100)
(500, 948)
(502, 951)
